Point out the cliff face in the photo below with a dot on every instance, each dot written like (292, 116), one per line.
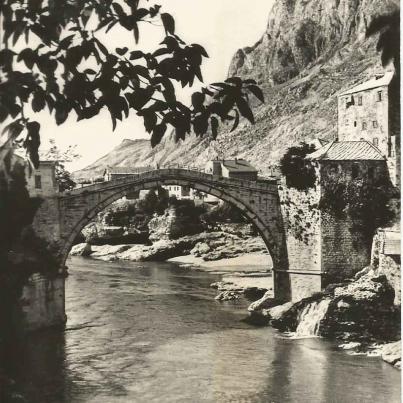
(310, 52)
(301, 33)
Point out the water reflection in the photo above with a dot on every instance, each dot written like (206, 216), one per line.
(153, 333)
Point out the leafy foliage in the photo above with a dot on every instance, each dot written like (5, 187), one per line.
(388, 28)
(224, 212)
(63, 176)
(299, 172)
(72, 72)
(366, 203)
(155, 201)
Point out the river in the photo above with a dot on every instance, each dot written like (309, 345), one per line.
(152, 332)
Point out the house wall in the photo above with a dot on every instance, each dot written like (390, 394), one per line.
(352, 117)
(394, 127)
(213, 168)
(42, 181)
(344, 250)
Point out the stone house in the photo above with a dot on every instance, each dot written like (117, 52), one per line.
(343, 252)
(371, 112)
(237, 168)
(41, 182)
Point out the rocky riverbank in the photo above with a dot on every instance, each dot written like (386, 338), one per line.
(202, 247)
(363, 314)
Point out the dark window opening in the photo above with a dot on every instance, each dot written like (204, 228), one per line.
(364, 125)
(355, 123)
(379, 96)
(375, 141)
(374, 124)
(38, 182)
(355, 171)
(360, 100)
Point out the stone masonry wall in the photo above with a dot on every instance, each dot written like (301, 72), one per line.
(302, 227)
(42, 303)
(368, 121)
(344, 252)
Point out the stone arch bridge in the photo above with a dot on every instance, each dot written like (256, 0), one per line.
(62, 217)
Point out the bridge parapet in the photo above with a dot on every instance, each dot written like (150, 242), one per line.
(164, 174)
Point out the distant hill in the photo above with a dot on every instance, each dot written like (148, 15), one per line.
(311, 51)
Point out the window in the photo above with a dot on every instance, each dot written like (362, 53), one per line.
(355, 171)
(355, 123)
(364, 125)
(379, 96)
(374, 124)
(375, 141)
(38, 182)
(360, 100)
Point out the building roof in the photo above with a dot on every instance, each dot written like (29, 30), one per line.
(238, 165)
(347, 150)
(378, 81)
(126, 170)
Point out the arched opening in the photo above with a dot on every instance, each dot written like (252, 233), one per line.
(106, 198)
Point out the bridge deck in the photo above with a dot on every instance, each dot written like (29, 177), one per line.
(164, 174)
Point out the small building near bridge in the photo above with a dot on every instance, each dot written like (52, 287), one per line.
(112, 173)
(237, 168)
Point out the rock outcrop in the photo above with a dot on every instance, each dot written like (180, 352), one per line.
(171, 226)
(361, 310)
(81, 249)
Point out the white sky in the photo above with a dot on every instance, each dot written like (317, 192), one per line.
(221, 26)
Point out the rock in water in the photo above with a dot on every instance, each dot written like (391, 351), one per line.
(81, 249)
(392, 353)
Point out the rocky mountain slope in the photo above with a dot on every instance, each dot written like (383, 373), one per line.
(311, 51)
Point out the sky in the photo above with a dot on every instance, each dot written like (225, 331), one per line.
(221, 26)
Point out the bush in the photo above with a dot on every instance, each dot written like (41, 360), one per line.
(223, 213)
(365, 203)
(298, 172)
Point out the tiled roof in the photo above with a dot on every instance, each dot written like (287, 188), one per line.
(347, 150)
(127, 170)
(238, 165)
(370, 84)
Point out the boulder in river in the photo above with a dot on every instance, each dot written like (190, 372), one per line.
(81, 249)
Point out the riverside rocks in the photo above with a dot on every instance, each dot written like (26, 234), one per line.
(81, 249)
(392, 353)
(361, 312)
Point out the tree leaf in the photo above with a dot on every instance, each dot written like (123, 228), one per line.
(136, 33)
(257, 92)
(200, 49)
(121, 51)
(236, 121)
(32, 142)
(168, 22)
(136, 54)
(245, 110)
(234, 80)
(214, 126)
(38, 100)
(198, 100)
(158, 134)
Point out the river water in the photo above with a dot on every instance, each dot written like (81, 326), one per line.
(152, 332)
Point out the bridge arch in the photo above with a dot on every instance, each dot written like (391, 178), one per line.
(96, 198)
